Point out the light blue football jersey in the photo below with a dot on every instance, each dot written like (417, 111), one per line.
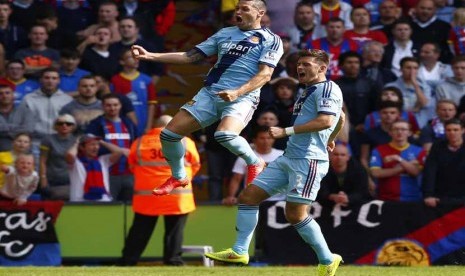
(323, 97)
(239, 55)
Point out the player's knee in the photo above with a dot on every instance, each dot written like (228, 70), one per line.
(167, 135)
(248, 198)
(223, 137)
(294, 217)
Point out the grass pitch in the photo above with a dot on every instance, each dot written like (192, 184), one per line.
(232, 271)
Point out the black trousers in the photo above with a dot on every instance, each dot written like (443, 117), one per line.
(141, 231)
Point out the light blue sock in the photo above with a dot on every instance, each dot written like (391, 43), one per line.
(247, 219)
(310, 231)
(173, 150)
(237, 145)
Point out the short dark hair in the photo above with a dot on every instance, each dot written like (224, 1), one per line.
(457, 59)
(70, 53)
(110, 96)
(127, 17)
(390, 104)
(319, 55)
(87, 77)
(393, 89)
(408, 59)
(49, 69)
(16, 60)
(259, 129)
(453, 121)
(349, 54)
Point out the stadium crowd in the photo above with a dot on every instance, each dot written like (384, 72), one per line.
(70, 90)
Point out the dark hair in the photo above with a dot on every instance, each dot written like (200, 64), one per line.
(408, 59)
(259, 129)
(109, 96)
(389, 104)
(401, 21)
(49, 69)
(15, 61)
(87, 77)
(393, 89)
(453, 121)
(22, 134)
(319, 55)
(401, 121)
(6, 2)
(70, 53)
(457, 59)
(349, 54)
(335, 19)
(127, 17)
(358, 8)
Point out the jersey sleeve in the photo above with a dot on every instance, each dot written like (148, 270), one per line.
(272, 52)
(376, 161)
(209, 47)
(329, 100)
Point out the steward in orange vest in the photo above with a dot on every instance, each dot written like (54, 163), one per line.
(151, 170)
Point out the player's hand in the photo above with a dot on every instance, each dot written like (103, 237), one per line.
(228, 95)
(331, 146)
(229, 201)
(139, 52)
(277, 132)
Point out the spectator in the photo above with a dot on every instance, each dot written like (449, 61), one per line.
(85, 107)
(453, 88)
(434, 130)
(444, 11)
(44, 104)
(14, 78)
(38, 56)
(284, 90)
(155, 17)
(361, 32)
(389, 113)
(457, 33)
(20, 180)
(121, 132)
(139, 88)
(281, 15)
(12, 120)
(174, 207)
(57, 37)
(359, 92)
(443, 175)
(70, 74)
(21, 144)
(25, 12)
(304, 25)
(108, 18)
(73, 17)
(389, 12)
(431, 70)
(263, 147)
(54, 178)
(400, 46)
(346, 181)
(335, 44)
(127, 109)
(396, 166)
(88, 172)
(372, 55)
(12, 37)
(416, 93)
(327, 9)
(392, 94)
(130, 35)
(100, 58)
(428, 28)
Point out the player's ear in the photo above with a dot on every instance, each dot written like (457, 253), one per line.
(322, 69)
(261, 13)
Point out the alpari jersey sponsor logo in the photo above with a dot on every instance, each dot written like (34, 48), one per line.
(298, 108)
(237, 49)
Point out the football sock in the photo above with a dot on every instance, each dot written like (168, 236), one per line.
(237, 145)
(173, 150)
(310, 231)
(247, 218)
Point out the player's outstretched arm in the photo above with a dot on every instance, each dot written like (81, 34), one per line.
(191, 56)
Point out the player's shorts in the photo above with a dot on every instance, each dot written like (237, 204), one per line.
(298, 178)
(207, 107)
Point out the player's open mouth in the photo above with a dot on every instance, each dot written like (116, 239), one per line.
(301, 74)
(238, 19)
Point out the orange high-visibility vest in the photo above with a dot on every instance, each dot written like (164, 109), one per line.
(151, 170)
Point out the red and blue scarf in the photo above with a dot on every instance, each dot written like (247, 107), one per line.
(94, 187)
